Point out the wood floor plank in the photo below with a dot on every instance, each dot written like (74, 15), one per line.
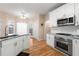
(40, 48)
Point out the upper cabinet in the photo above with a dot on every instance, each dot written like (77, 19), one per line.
(65, 11)
(52, 19)
(76, 13)
(68, 10)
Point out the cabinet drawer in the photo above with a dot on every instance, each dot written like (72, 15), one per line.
(9, 41)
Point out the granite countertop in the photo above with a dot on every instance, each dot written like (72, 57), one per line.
(11, 37)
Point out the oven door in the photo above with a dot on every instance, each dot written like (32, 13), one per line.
(61, 46)
(64, 47)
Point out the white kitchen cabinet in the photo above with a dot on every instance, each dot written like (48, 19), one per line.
(18, 45)
(68, 9)
(76, 13)
(76, 47)
(47, 38)
(14, 46)
(8, 48)
(53, 20)
(65, 11)
(50, 40)
(26, 43)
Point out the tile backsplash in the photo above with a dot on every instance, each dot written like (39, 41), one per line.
(66, 29)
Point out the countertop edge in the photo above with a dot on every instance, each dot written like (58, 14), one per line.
(8, 38)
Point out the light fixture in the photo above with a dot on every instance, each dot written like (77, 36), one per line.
(24, 15)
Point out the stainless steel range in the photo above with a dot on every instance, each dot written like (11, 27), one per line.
(63, 44)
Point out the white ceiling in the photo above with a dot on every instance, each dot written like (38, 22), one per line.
(41, 8)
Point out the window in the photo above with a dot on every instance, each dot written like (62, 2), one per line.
(21, 28)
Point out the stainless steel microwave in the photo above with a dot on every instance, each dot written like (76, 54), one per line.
(66, 21)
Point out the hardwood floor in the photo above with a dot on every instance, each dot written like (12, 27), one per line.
(40, 48)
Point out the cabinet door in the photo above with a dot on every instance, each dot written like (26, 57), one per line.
(77, 13)
(52, 19)
(76, 47)
(50, 40)
(8, 48)
(26, 42)
(19, 45)
(69, 9)
(65, 11)
(47, 39)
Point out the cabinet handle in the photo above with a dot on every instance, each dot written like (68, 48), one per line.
(1, 46)
(23, 40)
(15, 44)
(76, 41)
(77, 22)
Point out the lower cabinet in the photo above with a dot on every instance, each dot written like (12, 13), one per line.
(76, 47)
(8, 48)
(26, 43)
(14, 46)
(18, 45)
(50, 40)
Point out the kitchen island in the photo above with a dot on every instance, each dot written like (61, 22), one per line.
(13, 45)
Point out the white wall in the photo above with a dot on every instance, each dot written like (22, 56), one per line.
(46, 28)
(41, 30)
(5, 18)
(36, 28)
(1, 28)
